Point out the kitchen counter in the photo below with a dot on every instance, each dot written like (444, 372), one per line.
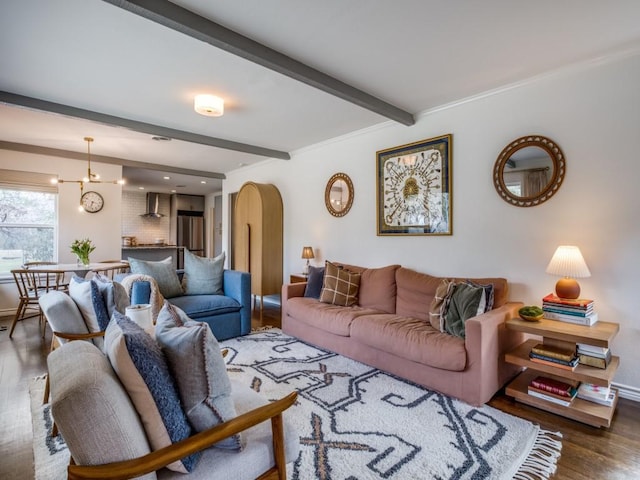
(147, 246)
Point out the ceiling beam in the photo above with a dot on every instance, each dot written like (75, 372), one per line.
(182, 20)
(142, 127)
(57, 152)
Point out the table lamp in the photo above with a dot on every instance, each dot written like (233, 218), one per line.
(307, 253)
(568, 263)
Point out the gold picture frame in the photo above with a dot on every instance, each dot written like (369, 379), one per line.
(414, 188)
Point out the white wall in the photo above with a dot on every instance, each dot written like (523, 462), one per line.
(103, 227)
(592, 111)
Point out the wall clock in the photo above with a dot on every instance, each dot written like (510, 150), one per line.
(92, 202)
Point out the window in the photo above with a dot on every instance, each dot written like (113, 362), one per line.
(27, 220)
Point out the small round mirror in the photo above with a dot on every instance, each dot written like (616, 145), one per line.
(529, 171)
(338, 196)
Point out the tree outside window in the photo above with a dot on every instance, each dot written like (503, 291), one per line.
(27, 228)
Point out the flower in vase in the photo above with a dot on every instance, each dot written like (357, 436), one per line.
(82, 249)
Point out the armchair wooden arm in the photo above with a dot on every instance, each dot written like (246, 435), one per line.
(160, 458)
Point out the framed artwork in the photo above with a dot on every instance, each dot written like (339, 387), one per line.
(414, 188)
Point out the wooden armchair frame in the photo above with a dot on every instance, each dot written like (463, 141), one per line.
(161, 458)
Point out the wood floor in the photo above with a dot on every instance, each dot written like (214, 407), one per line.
(587, 453)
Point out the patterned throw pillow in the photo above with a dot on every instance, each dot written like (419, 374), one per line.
(314, 282)
(200, 372)
(202, 276)
(162, 272)
(488, 293)
(340, 286)
(141, 367)
(466, 302)
(440, 304)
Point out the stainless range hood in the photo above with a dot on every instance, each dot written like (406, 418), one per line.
(153, 202)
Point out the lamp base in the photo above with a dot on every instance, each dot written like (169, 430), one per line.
(568, 288)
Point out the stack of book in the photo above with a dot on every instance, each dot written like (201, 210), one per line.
(579, 310)
(598, 357)
(553, 356)
(553, 390)
(597, 394)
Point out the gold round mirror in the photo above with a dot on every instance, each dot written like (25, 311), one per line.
(338, 196)
(529, 171)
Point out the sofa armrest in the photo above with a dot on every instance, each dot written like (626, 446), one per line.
(290, 290)
(160, 458)
(237, 285)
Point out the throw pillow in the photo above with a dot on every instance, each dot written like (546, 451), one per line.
(314, 282)
(80, 292)
(440, 304)
(340, 286)
(202, 276)
(466, 302)
(194, 357)
(100, 309)
(163, 273)
(141, 367)
(489, 293)
(115, 296)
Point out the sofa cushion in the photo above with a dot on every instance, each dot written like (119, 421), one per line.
(466, 302)
(314, 282)
(412, 339)
(199, 370)
(340, 286)
(332, 318)
(202, 276)
(163, 272)
(440, 304)
(378, 288)
(141, 367)
(92, 409)
(415, 293)
(204, 305)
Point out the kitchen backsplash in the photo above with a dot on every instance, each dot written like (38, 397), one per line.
(145, 229)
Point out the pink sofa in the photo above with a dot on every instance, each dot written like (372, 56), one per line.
(389, 329)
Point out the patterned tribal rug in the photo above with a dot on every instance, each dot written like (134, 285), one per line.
(358, 423)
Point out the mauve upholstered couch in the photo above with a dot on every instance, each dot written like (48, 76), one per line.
(389, 329)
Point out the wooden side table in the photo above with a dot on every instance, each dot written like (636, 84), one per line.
(561, 333)
(297, 278)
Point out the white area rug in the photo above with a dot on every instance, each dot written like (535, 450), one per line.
(358, 423)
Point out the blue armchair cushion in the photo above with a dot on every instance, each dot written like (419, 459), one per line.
(202, 276)
(162, 272)
(200, 372)
(142, 368)
(195, 305)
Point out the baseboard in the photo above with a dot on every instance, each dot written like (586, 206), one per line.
(628, 392)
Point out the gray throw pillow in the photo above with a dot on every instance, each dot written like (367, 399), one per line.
(202, 276)
(466, 302)
(314, 282)
(194, 356)
(162, 272)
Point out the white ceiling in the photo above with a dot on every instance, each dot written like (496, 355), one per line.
(414, 54)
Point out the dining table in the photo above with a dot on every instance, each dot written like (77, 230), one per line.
(80, 269)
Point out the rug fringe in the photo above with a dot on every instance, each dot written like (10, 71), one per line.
(541, 462)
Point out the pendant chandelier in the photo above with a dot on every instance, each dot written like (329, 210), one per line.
(91, 177)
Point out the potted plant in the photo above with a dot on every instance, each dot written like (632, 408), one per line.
(82, 249)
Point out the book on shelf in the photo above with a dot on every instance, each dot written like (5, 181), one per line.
(588, 320)
(593, 361)
(566, 311)
(571, 302)
(554, 364)
(596, 393)
(562, 388)
(549, 397)
(565, 354)
(593, 351)
(570, 362)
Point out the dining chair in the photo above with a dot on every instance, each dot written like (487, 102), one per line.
(56, 278)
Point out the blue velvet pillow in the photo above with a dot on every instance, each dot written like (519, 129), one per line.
(314, 282)
(99, 306)
(143, 371)
(202, 276)
(200, 372)
(162, 272)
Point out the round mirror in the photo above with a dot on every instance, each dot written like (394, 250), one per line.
(529, 171)
(338, 196)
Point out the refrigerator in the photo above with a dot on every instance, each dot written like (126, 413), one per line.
(190, 231)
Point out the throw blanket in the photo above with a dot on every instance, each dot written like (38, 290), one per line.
(156, 300)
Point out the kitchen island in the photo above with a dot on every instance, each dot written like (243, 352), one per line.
(153, 252)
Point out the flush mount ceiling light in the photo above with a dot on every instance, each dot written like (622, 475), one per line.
(209, 105)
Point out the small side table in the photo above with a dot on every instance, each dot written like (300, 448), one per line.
(298, 278)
